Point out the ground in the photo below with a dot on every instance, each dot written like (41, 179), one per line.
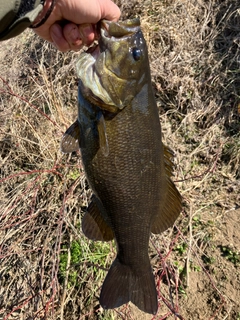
(48, 269)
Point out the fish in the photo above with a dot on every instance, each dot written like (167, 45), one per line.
(127, 166)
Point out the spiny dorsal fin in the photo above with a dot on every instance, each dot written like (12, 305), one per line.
(168, 160)
(71, 139)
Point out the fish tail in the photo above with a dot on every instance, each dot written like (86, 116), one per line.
(123, 284)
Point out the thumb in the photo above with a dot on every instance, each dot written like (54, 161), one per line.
(109, 10)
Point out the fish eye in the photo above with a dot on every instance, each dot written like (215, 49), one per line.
(136, 53)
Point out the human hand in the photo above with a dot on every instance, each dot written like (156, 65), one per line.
(72, 22)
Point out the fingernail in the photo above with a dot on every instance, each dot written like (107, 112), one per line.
(74, 35)
(87, 34)
(87, 30)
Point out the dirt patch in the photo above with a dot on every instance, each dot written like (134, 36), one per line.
(216, 292)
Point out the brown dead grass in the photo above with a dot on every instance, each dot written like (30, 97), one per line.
(194, 50)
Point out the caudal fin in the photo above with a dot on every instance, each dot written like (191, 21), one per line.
(124, 284)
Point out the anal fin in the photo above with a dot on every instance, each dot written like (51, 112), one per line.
(94, 224)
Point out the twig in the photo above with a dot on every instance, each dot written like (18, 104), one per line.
(190, 244)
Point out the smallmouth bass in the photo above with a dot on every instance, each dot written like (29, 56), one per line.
(127, 166)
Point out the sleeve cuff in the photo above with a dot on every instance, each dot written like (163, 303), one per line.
(21, 24)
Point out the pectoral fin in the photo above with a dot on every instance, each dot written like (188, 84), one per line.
(71, 139)
(94, 225)
(171, 201)
(103, 141)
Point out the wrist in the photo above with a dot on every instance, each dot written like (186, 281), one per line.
(42, 17)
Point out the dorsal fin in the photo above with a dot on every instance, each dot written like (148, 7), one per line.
(168, 160)
(170, 209)
(171, 200)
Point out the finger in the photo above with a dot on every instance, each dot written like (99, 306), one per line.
(110, 10)
(77, 36)
(72, 36)
(58, 38)
(87, 32)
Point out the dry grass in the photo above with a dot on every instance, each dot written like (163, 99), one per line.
(194, 49)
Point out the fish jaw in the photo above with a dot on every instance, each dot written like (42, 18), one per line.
(90, 84)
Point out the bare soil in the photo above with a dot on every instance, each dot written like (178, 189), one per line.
(48, 269)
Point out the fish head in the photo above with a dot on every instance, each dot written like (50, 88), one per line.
(124, 59)
(119, 65)
(125, 49)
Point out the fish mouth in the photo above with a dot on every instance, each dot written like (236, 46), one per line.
(110, 31)
(94, 51)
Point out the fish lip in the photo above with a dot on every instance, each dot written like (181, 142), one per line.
(101, 31)
(103, 25)
(94, 51)
(108, 31)
(127, 24)
(115, 30)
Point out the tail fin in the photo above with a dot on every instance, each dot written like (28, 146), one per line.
(123, 284)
